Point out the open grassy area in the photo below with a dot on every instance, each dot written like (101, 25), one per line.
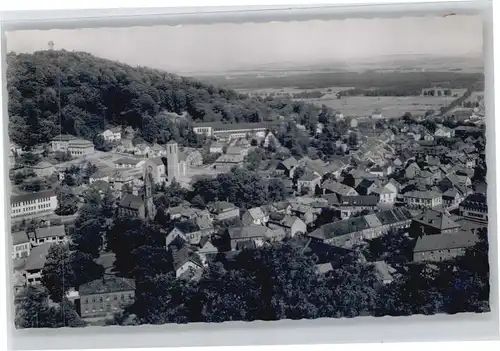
(391, 107)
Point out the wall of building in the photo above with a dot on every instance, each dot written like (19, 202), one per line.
(100, 305)
(32, 207)
(437, 255)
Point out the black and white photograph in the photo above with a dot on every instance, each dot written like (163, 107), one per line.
(208, 173)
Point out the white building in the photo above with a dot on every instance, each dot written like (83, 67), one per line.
(21, 246)
(34, 265)
(80, 147)
(28, 205)
(53, 234)
(112, 134)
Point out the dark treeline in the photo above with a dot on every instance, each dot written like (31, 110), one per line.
(360, 80)
(96, 92)
(281, 282)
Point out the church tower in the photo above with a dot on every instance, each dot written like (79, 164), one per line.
(172, 161)
(149, 206)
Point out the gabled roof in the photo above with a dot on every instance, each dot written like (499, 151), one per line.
(436, 219)
(476, 200)
(256, 213)
(359, 200)
(220, 207)
(252, 231)
(436, 242)
(36, 259)
(127, 161)
(183, 255)
(289, 163)
(337, 187)
(107, 284)
(158, 161)
(50, 231)
(131, 201)
(19, 238)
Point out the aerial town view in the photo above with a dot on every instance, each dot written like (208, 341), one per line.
(233, 175)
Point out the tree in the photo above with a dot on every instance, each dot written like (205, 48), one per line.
(29, 159)
(67, 202)
(64, 269)
(34, 311)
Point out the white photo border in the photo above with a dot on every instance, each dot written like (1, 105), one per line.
(320, 331)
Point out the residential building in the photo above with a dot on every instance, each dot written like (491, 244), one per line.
(423, 199)
(353, 231)
(142, 150)
(433, 222)
(190, 231)
(365, 186)
(288, 166)
(475, 207)
(412, 170)
(444, 132)
(51, 234)
(21, 245)
(308, 183)
(255, 216)
(223, 210)
(103, 298)
(34, 264)
(129, 162)
(225, 162)
(441, 247)
(330, 186)
(291, 225)
(112, 134)
(216, 148)
(29, 205)
(247, 236)
(386, 194)
(187, 265)
(351, 205)
(452, 198)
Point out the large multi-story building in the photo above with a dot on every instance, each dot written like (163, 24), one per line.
(80, 147)
(423, 199)
(29, 205)
(104, 297)
(353, 231)
(234, 130)
(76, 147)
(474, 207)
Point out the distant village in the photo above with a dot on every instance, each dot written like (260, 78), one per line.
(396, 176)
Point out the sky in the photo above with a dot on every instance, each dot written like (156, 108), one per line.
(221, 47)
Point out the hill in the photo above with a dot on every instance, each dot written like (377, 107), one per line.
(52, 92)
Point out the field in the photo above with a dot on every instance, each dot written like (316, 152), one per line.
(390, 106)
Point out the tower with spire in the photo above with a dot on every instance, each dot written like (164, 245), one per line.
(149, 206)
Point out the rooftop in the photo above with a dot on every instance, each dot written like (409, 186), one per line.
(37, 257)
(50, 231)
(32, 196)
(107, 284)
(131, 201)
(436, 219)
(462, 239)
(252, 231)
(19, 238)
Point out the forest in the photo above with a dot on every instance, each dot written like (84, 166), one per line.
(52, 92)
